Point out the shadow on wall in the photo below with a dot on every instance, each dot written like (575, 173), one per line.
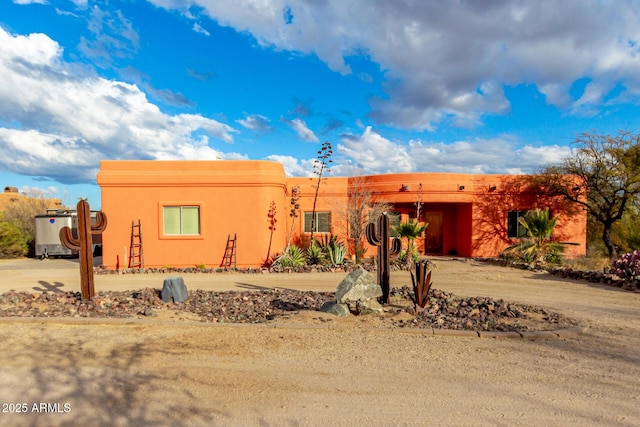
(513, 193)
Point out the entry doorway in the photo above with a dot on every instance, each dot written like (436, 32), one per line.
(433, 236)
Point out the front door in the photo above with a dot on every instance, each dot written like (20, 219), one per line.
(433, 235)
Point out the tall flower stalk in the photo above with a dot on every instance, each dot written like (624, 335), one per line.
(320, 166)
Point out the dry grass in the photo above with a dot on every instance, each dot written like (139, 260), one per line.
(588, 263)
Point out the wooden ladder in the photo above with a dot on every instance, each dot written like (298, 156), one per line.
(136, 252)
(229, 257)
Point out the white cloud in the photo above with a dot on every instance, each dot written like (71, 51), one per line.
(449, 61)
(198, 29)
(65, 122)
(374, 154)
(293, 166)
(255, 122)
(302, 130)
(23, 2)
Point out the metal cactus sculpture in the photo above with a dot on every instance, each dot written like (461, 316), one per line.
(421, 285)
(380, 238)
(83, 244)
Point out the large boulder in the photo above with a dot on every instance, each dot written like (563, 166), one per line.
(358, 285)
(359, 291)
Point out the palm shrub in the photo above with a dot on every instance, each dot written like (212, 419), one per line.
(410, 230)
(538, 248)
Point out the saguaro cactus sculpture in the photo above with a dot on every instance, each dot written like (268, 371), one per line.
(380, 238)
(83, 244)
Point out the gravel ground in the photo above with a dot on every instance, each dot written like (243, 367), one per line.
(445, 310)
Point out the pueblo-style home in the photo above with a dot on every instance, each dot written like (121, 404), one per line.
(189, 212)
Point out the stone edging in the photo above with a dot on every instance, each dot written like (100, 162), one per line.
(531, 335)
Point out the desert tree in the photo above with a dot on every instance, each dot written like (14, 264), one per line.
(602, 174)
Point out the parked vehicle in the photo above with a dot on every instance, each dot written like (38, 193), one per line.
(48, 228)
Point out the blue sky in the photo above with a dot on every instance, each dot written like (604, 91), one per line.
(395, 86)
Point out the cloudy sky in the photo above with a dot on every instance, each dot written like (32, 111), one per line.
(396, 86)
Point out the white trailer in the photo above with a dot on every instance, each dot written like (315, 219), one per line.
(48, 233)
(48, 228)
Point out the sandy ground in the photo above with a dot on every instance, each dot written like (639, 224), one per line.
(172, 373)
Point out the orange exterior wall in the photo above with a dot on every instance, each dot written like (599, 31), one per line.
(235, 197)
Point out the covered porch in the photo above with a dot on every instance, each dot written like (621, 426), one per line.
(450, 227)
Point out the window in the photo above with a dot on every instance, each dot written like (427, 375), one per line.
(322, 223)
(181, 220)
(514, 228)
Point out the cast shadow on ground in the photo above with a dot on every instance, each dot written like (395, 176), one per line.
(553, 278)
(251, 287)
(55, 287)
(102, 389)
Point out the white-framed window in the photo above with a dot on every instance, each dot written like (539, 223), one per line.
(322, 223)
(515, 230)
(181, 220)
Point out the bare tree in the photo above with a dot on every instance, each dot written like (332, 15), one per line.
(360, 208)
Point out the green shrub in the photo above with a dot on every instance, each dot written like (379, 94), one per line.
(12, 240)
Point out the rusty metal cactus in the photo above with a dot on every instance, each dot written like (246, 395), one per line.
(421, 285)
(83, 244)
(380, 238)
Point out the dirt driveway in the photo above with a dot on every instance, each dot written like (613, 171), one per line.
(138, 374)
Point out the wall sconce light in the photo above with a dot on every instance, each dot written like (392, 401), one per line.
(460, 187)
(404, 188)
(492, 188)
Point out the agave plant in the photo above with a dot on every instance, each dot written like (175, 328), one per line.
(315, 255)
(336, 253)
(293, 256)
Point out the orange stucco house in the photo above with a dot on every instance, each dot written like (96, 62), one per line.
(188, 209)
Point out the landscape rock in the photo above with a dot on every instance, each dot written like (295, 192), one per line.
(332, 307)
(358, 285)
(174, 289)
(370, 306)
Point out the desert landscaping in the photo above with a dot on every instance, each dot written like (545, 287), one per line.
(312, 368)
